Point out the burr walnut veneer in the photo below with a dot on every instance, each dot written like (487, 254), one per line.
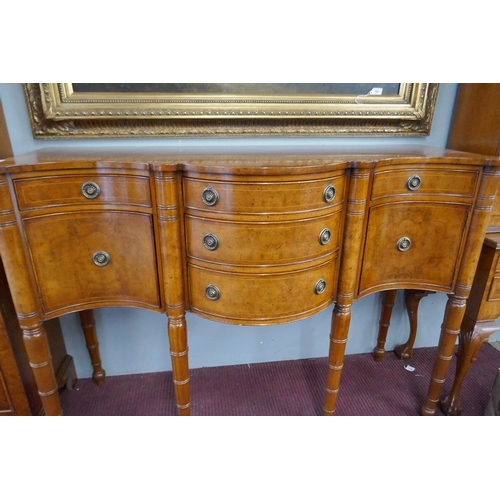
(245, 239)
(475, 128)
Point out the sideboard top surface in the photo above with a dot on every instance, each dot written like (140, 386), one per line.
(262, 158)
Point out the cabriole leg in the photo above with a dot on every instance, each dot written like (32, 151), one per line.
(412, 301)
(471, 338)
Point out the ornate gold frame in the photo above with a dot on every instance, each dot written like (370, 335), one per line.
(57, 112)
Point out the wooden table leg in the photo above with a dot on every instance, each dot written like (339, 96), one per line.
(388, 299)
(341, 318)
(88, 326)
(37, 348)
(472, 337)
(412, 301)
(454, 313)
(341, 315)
(177, 334)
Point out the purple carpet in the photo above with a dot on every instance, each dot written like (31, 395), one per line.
(287, 388)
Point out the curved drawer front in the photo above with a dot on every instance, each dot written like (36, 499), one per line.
(414, 244)
(447, 180)
(94, 258)
(261, 298)
(63, 190)
(263, 197)
(266, 243)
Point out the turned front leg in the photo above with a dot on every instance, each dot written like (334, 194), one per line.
(40, 360)
(471, 338)
(341, 318)
(454, 313)
(89, 330)
(388, 301)
(177, 334)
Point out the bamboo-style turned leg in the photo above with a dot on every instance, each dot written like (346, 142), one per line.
(177, 334)
(472, 337)
(341, 315)
(388, 299)
(40, 359)
(169, 199)
(412, 301)
(88, 326)
(454, 313)
(341, 318)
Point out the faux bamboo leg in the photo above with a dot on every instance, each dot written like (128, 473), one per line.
(37, 348)
(89, 330)
(455, 309)
(168, 198)
(412, 301)
(341, 318)
(177, 334)
(388, 300)
(27, 303)
(470, 341)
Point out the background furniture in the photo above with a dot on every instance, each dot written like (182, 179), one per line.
(18, 391)
(475, 128)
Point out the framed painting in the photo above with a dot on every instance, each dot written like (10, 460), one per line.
(103, 110)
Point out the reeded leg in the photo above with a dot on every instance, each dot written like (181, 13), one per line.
(454, 313)
(412, 301)
(388, 300)
(88, 326)
(177, 334)
(37, 348)
(341, 318)
(472, 337)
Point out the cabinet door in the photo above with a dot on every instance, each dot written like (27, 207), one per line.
(97, 259)
(415, 244)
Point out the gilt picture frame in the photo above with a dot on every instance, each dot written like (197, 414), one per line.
(78, 111)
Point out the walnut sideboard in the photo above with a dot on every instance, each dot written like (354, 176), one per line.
(244, 239)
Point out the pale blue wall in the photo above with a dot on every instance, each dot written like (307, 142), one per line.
(135, 341)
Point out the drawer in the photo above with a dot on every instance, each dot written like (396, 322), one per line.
(262, 197)
(445, 181)
(261, 298)
(416, 244)
(70, 271)
(266, 243)
(62, 190)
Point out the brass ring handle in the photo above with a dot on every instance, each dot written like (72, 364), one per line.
(413, 182)
(403, 244)
(101, 258)
(91, 190)
(320, 287)
(210, 196)
(329, 193)
(325, 236)
(210, 242)
(212, 292)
